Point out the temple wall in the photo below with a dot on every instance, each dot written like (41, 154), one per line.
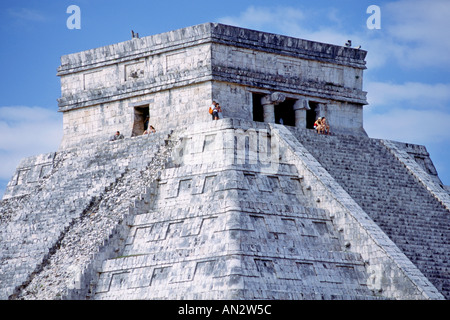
(177, 75)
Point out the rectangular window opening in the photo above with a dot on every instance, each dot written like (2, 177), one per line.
(284, 113)
(258, 110)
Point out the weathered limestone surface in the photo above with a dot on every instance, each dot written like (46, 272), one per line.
(408, 203)
(35, 225)
(252, 206)
(221, 227)
(240, 210)
(176, 75)
(244, 228)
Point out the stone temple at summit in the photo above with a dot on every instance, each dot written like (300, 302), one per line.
(255, 205)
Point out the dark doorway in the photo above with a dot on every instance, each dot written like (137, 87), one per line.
(284, 113)
(258, 110)
(311, 115)
(140, 114)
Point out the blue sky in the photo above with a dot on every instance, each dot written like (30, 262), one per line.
(408, 61)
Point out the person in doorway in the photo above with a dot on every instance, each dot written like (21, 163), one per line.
(147, 119)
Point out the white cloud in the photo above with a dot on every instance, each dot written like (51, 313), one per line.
(420, 29)
(413, 35)
(413, 126)
(411, 112)
(417, 20)
(298, 23)
(408, 95)
(291, 21)
(26, 131)
(285, 20)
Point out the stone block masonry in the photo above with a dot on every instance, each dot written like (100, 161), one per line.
(222, 228)
(393, 188)
(359, 231)
(252, 206)
(174, 76)
(73, 207)
(204, 225)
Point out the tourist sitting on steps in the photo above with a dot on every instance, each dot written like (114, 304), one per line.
(325, 128)
(321, 126)
(317, 124)
(117, 136)
(151, 129)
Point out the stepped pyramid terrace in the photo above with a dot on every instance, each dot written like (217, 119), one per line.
(255, 205)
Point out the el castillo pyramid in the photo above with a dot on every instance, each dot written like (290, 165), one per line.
(255, 205)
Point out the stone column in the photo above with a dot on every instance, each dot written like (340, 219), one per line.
(300, 108)
(269, 102)
(269, 113)
(321, 109)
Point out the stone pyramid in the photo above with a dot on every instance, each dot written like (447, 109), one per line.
(224, 225)
(255, 205)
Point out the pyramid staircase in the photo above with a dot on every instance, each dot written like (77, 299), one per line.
(390, 194)
(237, 210)
(216, 228)
(74, 187)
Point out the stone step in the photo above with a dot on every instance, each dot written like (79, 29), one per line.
(81, 179)
(389, 194)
